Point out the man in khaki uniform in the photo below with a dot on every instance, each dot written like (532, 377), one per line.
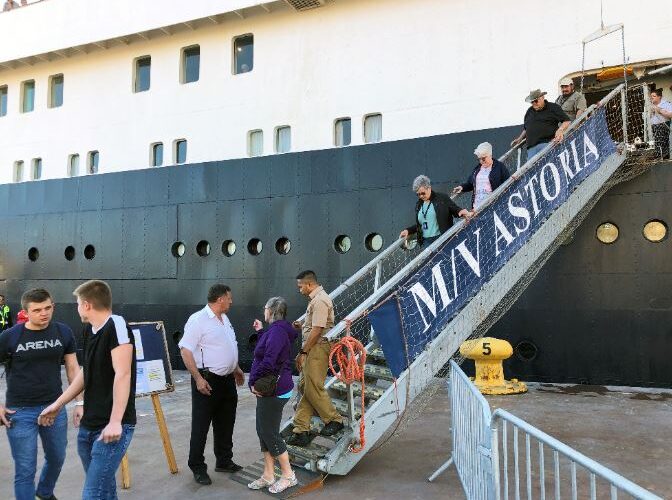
(312, 362)
(572, 102)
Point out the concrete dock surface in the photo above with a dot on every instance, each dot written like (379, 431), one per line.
(625, 429)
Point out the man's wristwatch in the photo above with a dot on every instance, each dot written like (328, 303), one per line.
(79, 403)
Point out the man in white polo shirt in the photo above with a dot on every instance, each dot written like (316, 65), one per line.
(210, 353)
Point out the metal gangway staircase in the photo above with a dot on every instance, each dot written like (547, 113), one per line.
(627, 137)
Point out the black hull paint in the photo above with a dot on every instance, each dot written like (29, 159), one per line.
(599, 314)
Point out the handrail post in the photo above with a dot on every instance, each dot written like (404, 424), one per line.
(624, 115)
(494, 457)
(648, 128)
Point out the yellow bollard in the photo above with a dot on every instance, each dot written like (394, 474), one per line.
(488, 354)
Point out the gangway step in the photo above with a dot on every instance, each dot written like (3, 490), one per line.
(342, 408)
(375, 371)
(375, 354)
(310, 453)
(316, 426)
(307, 480)
(370, 393)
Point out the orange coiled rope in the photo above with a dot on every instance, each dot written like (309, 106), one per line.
(350, 357)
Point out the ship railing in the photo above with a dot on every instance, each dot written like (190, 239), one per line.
(500, 456)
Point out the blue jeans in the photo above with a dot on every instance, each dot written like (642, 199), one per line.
(23, 442)
(101, 461)
(535, 149)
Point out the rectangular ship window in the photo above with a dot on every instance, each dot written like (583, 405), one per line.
(243, 54)
(191, 64)
(142, 74)
(283, 139)
(3, 100)
(156, 154)
(18, 171)
(27, 96)
(93, 158)
(342, 132)
(55, 91)
(36, 172)
(180, 151)
(73, 165)
(255, 143)
(373, 128)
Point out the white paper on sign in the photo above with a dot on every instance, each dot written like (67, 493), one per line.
(141, 379)
(156, 376)
(139, 351)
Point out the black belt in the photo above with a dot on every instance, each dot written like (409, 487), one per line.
(207, 374)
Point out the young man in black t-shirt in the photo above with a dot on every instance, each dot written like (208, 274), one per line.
(108, 381)
(33, 352)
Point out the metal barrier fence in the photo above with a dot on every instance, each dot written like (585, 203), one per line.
(568, 473)
(471, 418)
(500, 456)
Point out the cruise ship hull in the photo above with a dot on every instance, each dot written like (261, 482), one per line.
(596, 313)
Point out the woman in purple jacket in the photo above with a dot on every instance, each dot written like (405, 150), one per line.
(272, 356)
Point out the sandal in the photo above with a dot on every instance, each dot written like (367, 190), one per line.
(260, 483)
(283, 483)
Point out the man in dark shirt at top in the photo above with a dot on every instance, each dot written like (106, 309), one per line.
(544, 122)
(32, 352)
(108, 381)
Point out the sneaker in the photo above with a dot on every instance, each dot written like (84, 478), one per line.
(52, 497)
(301, 439)
(332, 428)
(283, 483)
(230, 467)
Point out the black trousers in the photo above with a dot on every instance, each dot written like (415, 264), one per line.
(661, 134)
(269, 418)
(219, 409)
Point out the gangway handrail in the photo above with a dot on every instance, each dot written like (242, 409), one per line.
(338, 329)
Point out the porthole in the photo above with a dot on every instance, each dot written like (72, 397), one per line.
(229, 248)
(203, 248)
(283, 246)
(255, 246)
(607, 233)
(89, 252)
(373, 242)
(177, 249)
(655, 231)
(342, 243)
(526, 350)
(33, 254)
(69, 253)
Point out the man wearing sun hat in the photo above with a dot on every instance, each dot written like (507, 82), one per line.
(540, 125)
(572, 102)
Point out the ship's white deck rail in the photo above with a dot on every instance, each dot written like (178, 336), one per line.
(500, 456)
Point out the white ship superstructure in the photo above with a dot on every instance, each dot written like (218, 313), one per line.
(93, 86)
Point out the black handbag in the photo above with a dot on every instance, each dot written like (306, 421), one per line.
(266, 385)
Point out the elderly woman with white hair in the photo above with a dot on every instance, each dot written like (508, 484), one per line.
(488, 175)
(434, 212)
(271, 381)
